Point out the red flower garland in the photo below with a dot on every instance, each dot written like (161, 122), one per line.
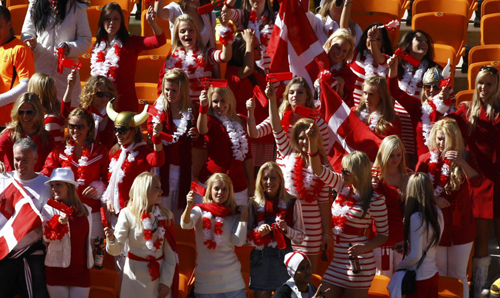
(53, 230)
(299, 177)
(286, 120)
(84, 158)
(339, 220)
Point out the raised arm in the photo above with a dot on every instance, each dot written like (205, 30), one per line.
(161, 11)
(345, 17)
(225, 32)
(273, 109)
(373, 35)
(251, 125)
(151, 19)
(201, 124)
(248, 62)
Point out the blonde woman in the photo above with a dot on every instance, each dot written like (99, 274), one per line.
(227, 142)
(187, 42)
(27, 121)
(478, 120)
(391, 183)
(376, 108)
(148, 227)
(44, 86)
(455, 176)
(219, 226)
(332, 15)
(272, 207)
(69, 250)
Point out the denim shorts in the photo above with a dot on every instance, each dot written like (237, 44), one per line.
(267, 268)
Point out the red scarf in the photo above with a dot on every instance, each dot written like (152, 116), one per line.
(215, 209)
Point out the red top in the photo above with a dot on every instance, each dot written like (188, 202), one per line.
(461, 230)
(394, 212)
(55, 125)
(125, 72)
(243, 90)
(395, 129)
(220, 156)
(76, 274)
(96, 170)
(7, 153)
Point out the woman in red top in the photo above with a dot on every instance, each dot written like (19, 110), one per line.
(376, 108)
(480, 125)
(454, 175)
(27, 122)
(114, 55)
(391, 183)
(227, 142)
(88, 161)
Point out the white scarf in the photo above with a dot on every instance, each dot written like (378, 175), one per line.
(237, 135)
(410, 81)
(111, 59)
(181, 129)
(370, 70)
(375, 117)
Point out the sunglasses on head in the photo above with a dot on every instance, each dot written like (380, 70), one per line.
(78, 127)
(27, 112)
(101, 94)
(121, 130)
(432, 86)
(489, 68)
(345, 172)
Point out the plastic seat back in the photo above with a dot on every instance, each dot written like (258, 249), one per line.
(489, 7)
(123, 4)
(146, 28)
(460, 7)
(10, 3)
(164, 50)
(474, 70)
(489, 29)
(147, 92)
(17, 13)
(450, 287)
(441, 55)
(148, 68)
(464, 95)
(85, 69)
(484, 53)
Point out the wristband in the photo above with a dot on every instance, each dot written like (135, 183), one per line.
(203, 109)
(327, 236)
(313, 154)
(156, 140)
(226, 4)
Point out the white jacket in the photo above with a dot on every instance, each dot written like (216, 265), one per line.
(74, 31)
(59, 251)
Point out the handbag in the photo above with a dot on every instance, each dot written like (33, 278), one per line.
(409, 282)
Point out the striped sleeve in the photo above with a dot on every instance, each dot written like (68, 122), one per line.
(214, 56)
(282, 143)
(55, 126)
(331, 178)
(378, 212)
(264, 128)
(237, 17)
(297, 233)
(323, 128)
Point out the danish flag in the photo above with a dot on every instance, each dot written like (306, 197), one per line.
(294, 46)
(18, 216)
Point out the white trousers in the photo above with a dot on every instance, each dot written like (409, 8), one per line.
(452, 261)
(67, 292)
(394, 259)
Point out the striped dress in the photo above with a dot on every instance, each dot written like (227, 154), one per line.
(310, 210)
(358, 66)
(55, 125)
(339, 271)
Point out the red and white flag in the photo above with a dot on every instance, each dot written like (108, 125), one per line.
(293, 46)
(347, 132)
(18, 216)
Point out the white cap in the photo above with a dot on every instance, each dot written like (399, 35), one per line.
(292, 261)
(63, 175)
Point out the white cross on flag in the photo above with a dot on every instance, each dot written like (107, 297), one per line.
(293, 46)
(18, 217)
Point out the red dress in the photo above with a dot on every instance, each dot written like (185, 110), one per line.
(394, 212)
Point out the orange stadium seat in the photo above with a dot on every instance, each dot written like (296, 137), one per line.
(182, 235)
(147, 92)
(460, 7)
(393, 7)
(464, 95)
(85, 70)
(104, 278)
(146, 28)
(10, 3)
(93, 14)
(450, 287)
(164, 50)
(243, 254)
(489, 7)
(102, 292)
(18, 12)
(474, 70)
(441, 55)
(378, 288)
(434, 22)
(484, 53)
(124, 4)
(187, 263)
(489, 26)
(148, 68)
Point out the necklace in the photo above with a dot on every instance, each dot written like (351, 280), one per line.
(82, 162)
(153, 240)
(237, 135)
(212, 242)
(440, 181)
(104, 63)
(411, 81)
(303, 181)
(341, 207)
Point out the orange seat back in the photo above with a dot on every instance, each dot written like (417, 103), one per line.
(489, 7)
(147, 92)
(146, 28)
(102, 292)
(489, 29)
(474, 70)
(464, 95)
(10, 3)
(124, 4)
(85, 69)
(17, 13)
(459, 7)
(484, 53)
(450, 287)
(243, 254)
(148, 68)
(105, 278)
(164, 50)
(441, 55)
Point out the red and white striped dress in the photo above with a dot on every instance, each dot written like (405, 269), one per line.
(358, 66)
(55, 125)
(310, 210)
(339, 271)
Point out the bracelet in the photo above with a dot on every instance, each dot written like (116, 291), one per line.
(313, 154)
(203, 109)
(226, 4)
(156, 140)
(327, 236)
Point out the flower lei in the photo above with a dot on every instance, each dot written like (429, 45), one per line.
(444, 175)
(364, 115)
(303, 181)
(254, 237)
(286, 120)
(226, 34)
(181, 129)
(191, 61)
(82, 162)
(370, 70)
(434, 108)
(212, 242)
(125, 168)
(341, 207)
(53, 230)
(254, 23)
(154, 241)
(104, 63)
(410, 81)
(237, 135)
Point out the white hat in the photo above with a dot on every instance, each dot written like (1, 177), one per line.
(63, 175)
(292, 261)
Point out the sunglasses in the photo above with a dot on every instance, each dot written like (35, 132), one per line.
(345, 172)
(78, 127)
(122, 130)
(432, 86)
(339, 3)
(27, 112)
(101, 94)
(489, 68)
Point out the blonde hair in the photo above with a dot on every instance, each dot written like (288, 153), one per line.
(44, 86)
(228, 96)
(358, 164)
(385, 105)
(89, 90)
(74, 200)
(260, 198)
(176, 42)
(454, 142)
(309, 101)
(179, 77)
(139, 194)
(300, 126)
(324, 12)
(490, 104)
(14, 127)
(230, 202)
(388, 145)
(340, 34)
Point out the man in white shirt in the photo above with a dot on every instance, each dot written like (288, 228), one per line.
(22, 271)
